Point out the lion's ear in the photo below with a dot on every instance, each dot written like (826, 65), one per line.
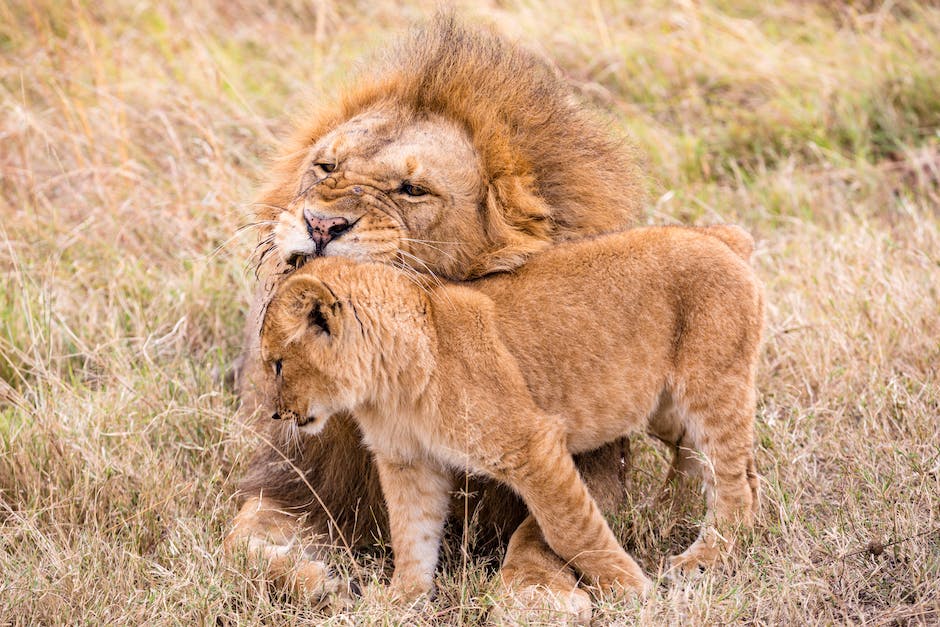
(310, 305)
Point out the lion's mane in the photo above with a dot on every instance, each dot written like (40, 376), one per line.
(555, 170)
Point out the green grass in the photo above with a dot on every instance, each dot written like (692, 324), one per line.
(133, 137)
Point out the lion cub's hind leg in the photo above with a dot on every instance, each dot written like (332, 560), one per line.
(543, 472)
(719, 419)
(686, 469)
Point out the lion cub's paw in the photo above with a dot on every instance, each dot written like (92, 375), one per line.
(640, 587)
(626, 581)
(409, 591)
(395, 602)
(704, 553)
(541, 605)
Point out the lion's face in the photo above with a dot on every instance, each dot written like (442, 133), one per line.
(389, 187)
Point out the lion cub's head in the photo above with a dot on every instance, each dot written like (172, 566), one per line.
(339, 335)
(460, 154)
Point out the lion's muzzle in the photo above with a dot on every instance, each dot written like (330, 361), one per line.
(323, 230)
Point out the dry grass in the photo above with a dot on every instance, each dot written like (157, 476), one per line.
(132, 134)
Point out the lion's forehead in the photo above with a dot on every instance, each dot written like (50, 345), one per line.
(380, 142)
(370, 122)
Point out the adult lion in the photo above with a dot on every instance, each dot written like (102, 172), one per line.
(458, 155)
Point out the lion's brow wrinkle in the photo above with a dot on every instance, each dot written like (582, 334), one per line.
(381, 203)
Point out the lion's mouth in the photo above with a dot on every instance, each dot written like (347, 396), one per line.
(291, 415)
(305, 420)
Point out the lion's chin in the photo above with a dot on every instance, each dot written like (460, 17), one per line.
(313, 426)
(297, 261)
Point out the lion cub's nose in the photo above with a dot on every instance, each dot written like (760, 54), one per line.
(324, 230)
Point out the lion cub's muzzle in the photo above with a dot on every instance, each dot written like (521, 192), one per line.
(286, 414)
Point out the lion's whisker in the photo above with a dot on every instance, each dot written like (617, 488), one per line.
(427, 268)
(263, 256)
(411, 274)
(268, 205)
(416, 278)
(429, 241)
(238, 233)
(425, 243)
(437, 280)
(252, 225)
(262, 248)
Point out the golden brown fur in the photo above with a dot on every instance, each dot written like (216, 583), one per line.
(655, 329)
(547, 169)
(516, 164)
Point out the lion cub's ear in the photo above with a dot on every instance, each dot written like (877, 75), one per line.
(310, 305)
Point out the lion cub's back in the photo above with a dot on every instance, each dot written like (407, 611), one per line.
(650, 262)
(595, 324)
(636, 273)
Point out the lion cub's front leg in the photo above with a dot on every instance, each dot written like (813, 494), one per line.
(543, 472)
(418, 498)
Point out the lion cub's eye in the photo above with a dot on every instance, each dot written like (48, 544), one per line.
(412, 190)
(277, 368)
(326, 167)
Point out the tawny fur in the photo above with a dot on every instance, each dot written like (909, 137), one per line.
(653, 329)
(517, 165)
(546, 169)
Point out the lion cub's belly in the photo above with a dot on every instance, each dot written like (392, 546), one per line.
(601, 367)
(607, 387)
(604, 414)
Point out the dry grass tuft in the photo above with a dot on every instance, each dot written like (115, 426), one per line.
(132, 134)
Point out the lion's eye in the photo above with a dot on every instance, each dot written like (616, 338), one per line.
(412, 190)
(277, 368)
(326, 167)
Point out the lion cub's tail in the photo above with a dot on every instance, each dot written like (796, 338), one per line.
(734, 237)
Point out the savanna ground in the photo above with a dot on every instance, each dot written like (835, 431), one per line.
(132, 134)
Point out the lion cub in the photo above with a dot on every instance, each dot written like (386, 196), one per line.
(653, 328)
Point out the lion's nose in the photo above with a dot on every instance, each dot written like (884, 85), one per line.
(324, 230)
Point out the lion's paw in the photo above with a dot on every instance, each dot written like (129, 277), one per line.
(315, 583)
(541, 605)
